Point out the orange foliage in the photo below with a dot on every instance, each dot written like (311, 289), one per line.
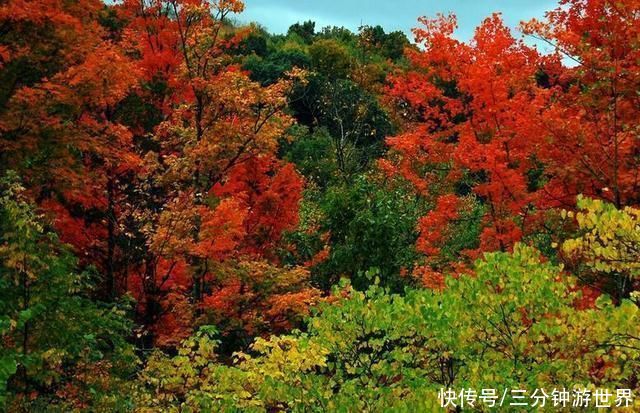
(271, 192)
(258, 297)
(521, 131)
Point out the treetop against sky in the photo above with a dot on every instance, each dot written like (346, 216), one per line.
(278, 15)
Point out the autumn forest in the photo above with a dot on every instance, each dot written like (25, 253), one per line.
(198, 215)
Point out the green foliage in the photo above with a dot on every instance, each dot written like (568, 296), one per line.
(370, 226)
(56, 339)
(354, 119)
(331, 58)
(339, 33)
(510, 325)
(254, 43)
(356, 122)
(306, 31)
(313, 155)
(167, 381)
(390, 45)
(609, 243)
(271, 68)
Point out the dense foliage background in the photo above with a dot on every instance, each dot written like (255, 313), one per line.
(201, 216)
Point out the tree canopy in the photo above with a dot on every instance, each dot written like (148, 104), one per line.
(200, 215)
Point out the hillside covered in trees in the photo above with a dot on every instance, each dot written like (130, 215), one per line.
(201, 216)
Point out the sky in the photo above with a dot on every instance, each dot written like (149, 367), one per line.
(278, 15)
